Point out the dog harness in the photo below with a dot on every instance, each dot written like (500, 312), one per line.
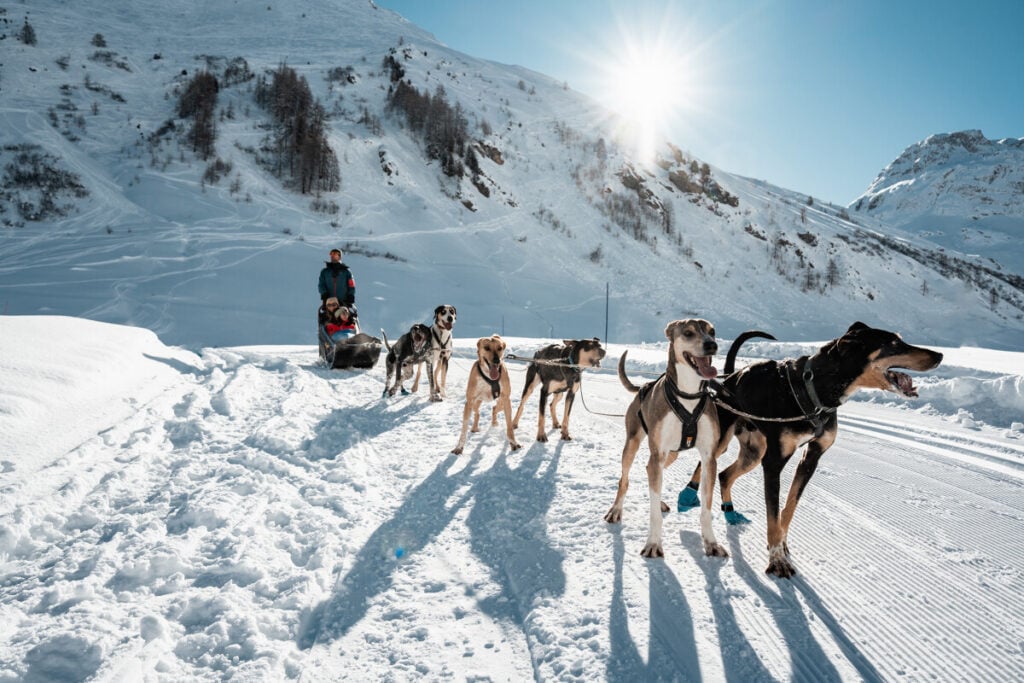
(444, 346)
(689, 420)
(821, 413)
(495, 383)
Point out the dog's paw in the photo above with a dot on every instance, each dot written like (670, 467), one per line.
(779, 564)
(613, 516)
(435, 399)
(566, 437)
(514, 446)
(542, 437)
(653, 550)
(715, 549)
(688, 498)
(733, 517)
(665, 507)
(457, 450)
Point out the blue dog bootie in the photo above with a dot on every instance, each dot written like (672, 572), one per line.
(733, 517)
(688, 497)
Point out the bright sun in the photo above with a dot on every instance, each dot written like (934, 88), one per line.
(647, 86)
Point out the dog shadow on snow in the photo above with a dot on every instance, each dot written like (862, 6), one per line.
(507, 533)
(346, 427)
(807, 658)
(672, 645)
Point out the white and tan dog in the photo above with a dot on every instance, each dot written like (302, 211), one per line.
(488, 381)
(675, 413)
(439, 352)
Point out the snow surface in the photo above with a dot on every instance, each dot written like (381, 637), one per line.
(245, 514)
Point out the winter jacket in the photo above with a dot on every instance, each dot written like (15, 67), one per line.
(336, 280)
(341, 326)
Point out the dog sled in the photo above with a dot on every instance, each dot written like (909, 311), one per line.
(358, 351)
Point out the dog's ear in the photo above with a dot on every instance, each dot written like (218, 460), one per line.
(569, 342)
(439, 310)
(857, 326)
(670, 329)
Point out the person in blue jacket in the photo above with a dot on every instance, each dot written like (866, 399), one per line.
(336, 280)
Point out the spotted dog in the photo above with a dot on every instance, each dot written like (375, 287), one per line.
(408, 350)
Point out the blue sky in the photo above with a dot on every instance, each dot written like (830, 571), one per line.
(814, 96)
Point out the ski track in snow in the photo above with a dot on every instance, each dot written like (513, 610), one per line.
(266, 518)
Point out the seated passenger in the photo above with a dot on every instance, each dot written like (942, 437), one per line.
(328, 310)
(342, 326)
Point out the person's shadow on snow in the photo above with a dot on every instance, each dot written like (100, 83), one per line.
(508, 532)
(672, 645)
(424, 513)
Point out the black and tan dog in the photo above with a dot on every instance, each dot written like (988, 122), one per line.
(675, 412)
(808, 389)
(411, 348)
(439, 352)
(558, 369)
(488, 381)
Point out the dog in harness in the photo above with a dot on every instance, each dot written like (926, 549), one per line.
(438, 353)
(558, 370)
(674, 413)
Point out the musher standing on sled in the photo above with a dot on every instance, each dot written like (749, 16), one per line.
(336, 280)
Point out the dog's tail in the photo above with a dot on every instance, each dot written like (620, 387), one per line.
(388, 346)
(730, 359)
(622, 374)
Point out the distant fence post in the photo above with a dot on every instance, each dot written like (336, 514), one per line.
(606, 292)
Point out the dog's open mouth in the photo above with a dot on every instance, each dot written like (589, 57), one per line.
(702, 364)
(901, 383)
(494, 371)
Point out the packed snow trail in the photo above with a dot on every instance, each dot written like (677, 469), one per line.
(251, 514)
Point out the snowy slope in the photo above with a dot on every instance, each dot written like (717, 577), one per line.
(243, 514)
(204, 264)
(960, 190)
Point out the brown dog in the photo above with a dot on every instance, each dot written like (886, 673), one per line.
(558, 369)
(675, 412)
(488, 381)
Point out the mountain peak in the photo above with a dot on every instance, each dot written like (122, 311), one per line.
(961, 190)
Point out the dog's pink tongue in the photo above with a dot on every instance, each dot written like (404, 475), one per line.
(705, 368)
(495, 372)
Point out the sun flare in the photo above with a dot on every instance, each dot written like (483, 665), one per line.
(647, 85)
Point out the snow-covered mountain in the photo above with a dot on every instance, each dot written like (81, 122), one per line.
(109, 213)
(959, 190)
